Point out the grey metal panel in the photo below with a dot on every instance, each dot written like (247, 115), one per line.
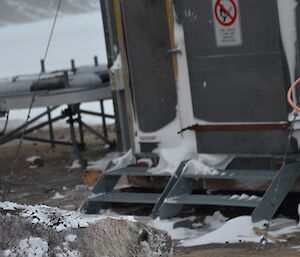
(259, 23)
(238, 88)
(256, 142)
(150, 64)
(244, 83)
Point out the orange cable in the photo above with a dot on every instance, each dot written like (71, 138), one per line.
(289, 95)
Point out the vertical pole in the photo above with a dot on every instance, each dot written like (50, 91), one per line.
(104, 127)
(43, 70)
(96, 60)
(81, 134)
(73, 138)
(51, 132)
(73, 67)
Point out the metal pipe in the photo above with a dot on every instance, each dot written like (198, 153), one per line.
(98, 134)
(98, 114)
(104, 128)
(51, 132)
(47, 141)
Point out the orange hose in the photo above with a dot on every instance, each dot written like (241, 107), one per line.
(289, 95)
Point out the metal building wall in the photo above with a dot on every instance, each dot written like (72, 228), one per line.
(238, 83)
(150, 63)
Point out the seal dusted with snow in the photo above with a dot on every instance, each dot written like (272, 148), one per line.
(45, 231)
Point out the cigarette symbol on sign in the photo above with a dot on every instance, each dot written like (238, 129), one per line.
(226, 12)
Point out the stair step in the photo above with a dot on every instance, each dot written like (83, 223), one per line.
(125, 197)
(135, 171)
(221, 200)
(235, 174)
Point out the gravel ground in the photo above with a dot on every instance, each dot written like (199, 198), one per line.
(39, 186)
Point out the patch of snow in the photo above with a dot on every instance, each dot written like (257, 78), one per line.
(194, 167)
(233, 231)
(71, 238)
(253, 197)
(33, 158)
(8, 206)
(237, 230)
(29, 247)
(244, 196)
(234, 197)
(58, 195)
(51, 217)
(123, 161)
(175, 233)
(216, 220)
(75, 165)
(56, 218)
(103, 162)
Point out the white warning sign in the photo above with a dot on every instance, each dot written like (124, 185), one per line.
(227, 22)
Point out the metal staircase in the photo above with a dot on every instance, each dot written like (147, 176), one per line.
(179, 190)
(103, 190)
(264, 207)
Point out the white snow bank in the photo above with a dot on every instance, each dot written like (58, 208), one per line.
(216, 220)
(237, 230)
(175, 233)
(183, 233)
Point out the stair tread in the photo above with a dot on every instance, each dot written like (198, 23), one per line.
(125, 197)
(235, 174)
(222, 200)
(135, 171)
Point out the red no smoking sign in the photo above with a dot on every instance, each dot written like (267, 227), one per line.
(226, 12)
(227, 22)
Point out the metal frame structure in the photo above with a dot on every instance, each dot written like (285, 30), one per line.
(261, 129)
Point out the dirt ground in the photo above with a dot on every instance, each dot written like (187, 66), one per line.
(39, 185)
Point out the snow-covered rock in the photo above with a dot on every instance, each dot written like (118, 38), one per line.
(44, 231)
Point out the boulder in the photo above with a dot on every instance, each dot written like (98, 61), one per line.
(45, 231)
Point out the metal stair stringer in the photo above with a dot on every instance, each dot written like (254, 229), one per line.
(276, 192)
(183, 186)
(103, 192)
(104, 184)
(173, 180)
